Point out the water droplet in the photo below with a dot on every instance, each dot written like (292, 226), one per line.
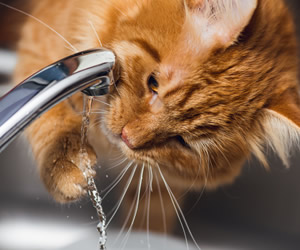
(68, 216)
(101, 226)
(85, 163)
(102, 240)
(106, 176)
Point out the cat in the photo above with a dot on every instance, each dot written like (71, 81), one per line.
(203, 85)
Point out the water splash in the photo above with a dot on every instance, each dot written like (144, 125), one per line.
(92, 188)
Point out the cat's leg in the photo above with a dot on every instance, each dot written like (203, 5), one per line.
(55, 139)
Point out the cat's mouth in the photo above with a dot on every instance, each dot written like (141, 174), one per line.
(150, 153)
(179, 140)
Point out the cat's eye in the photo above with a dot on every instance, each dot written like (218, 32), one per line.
(153, 84)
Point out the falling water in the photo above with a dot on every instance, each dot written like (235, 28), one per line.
(92, 189)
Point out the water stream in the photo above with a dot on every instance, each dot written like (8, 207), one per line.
(92, 188)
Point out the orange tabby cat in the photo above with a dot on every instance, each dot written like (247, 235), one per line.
(203, 84)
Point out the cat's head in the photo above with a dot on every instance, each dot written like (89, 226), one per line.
(203, 84)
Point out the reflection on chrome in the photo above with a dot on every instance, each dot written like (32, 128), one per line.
(89, 71)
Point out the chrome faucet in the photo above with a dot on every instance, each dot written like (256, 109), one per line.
(89, 71)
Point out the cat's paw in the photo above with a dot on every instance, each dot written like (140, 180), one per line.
(65, 173)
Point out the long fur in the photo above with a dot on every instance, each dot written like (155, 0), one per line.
(227, 87)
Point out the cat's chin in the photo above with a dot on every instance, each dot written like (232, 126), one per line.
(138, 157)
(181, 165)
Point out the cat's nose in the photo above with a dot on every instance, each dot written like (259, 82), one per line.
(124, 136)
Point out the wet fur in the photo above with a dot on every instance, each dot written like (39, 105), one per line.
(227, 87)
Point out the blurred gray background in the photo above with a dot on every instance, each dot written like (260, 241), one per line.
(261, 210)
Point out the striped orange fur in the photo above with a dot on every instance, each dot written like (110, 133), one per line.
(227, 86)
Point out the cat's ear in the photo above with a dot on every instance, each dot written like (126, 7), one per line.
(282, 125)
(219, 21)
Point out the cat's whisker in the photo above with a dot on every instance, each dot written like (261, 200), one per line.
(118, 158)
(105, 103)
(112, 96)
(124, 241)
(99, 109)
(96, 34)
(118, 164)
(150, 177)
(175, 208)
(116, 181)
(69, 48)
(117, 89)
(127, 218)
(94, 111)
(121, 12)
(115, 85)
(99, 97)
(194, 181)
(178, 211)
(202, 191)
(162, 205)
(94, 125)
(114, 208)
(218, 147)
(203, 149)
(203, 152)
(123, 195)
(144, 195)
(121, 159)
(207, 170)
(98, 121)
(206, 177)
(41, 22)
(149, 190)
(98, 112)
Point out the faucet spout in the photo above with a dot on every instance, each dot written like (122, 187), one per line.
(89, 71)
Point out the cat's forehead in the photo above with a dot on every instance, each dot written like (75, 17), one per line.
(155, 20)
(183, 33)
(132, 9)
(168, 34)
(197, 25)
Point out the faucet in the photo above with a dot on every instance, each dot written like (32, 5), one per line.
(89, 71)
